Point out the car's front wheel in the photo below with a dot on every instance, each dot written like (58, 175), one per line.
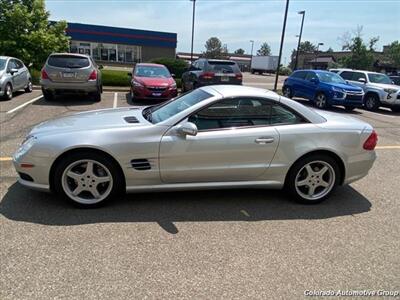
(372, 102)
(287, 92)
(321, 101)
(313, 178)
(87, 179)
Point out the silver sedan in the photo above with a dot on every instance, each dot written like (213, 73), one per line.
(213, 137)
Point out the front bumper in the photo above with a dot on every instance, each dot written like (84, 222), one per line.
(391, 100)
(347, 99)
(154, 93)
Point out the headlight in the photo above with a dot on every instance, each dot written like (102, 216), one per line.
(25, 146)
(137, 83)
(390, 91)
(336, 89)
(172, 86)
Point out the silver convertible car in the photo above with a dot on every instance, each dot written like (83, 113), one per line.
(213, 137)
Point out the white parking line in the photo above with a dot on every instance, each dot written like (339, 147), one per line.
(115, 100)
(24, 104)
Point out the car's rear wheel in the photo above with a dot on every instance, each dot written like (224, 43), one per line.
(372, 102)
(87, 179)
(287, 92)
(8, 92)
(321, 101)
(29, 87)
(313, 178)
(96, 96)
(395, 109)
(47, 95)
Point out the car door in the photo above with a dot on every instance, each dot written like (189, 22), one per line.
(298, 83)
(22, 73)
(13, 71)
(310, 85)
(234, 143)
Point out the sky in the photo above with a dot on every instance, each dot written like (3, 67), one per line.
(237, 22)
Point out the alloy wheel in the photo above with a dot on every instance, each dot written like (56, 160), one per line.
(286, 92)
(315, 180)
(8, 91)
(87, 181)
(320, 101)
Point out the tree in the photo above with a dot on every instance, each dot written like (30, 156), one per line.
(361, 56)
(265, 49)
(239, 51)
(27, 34)
(394, 52)
(213, 48)
(305, 47)
(330, 50)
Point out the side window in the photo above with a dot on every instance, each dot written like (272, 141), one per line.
(358, 75)
(201, 65)
(299, 74)
(283, 116)
(229, 113)
(311, 75)
(18, 64)
(346, 75)
(195, 64)
(11, 65)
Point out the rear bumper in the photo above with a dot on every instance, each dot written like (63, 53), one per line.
(72, 87)
(358, 166)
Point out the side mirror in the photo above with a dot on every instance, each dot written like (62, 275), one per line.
(30, 65)
(188, 128)
(130, 74)
(173, 75)
(12, 71)
(361, 80)
(393, 82)
(314, 80)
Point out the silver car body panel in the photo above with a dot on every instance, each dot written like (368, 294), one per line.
(219, 158)
(18, 80)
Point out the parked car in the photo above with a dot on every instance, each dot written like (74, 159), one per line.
(395, 79)
(378, 88)
(323, 88)
(219, 136)
(211, 71)
(337, 70)
(71, 73)
(152, 81)
(14, 76)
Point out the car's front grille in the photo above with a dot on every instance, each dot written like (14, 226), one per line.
(156, 88)
(353, 97)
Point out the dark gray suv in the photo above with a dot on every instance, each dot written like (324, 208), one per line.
(211, 71)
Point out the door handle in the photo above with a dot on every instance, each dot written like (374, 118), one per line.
(264, 140)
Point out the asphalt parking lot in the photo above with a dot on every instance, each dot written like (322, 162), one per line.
(209, 244)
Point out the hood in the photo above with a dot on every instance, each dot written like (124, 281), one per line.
(155, 81)
(347, 87)
(92, 120)
(385, 86)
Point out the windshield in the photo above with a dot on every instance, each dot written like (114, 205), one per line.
(149, 71)
(175, 106)
(68, 61)
(2, 64)
(330, 78)
(379, 78)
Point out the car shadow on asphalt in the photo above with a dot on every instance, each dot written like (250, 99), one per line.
(246, 205)
(67, 100)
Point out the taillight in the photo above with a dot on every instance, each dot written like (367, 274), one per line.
(93, 75)
(207, 75)
(44, 75)
(371, 141)
(239, 76)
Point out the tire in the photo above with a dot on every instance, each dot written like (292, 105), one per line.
(29, 87)
(372, 102)
(287, 92)
(306, 174)
(96, 96)
(131, 94)
(48, 96)
(395, 109)
(104, 176)
(321, 101)
(8, 92)
(349, 108)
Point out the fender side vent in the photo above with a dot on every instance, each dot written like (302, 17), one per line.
(140, 164)
(131, 119)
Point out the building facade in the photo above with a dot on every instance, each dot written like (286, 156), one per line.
(114, 45)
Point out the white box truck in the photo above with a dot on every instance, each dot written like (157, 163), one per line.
(264, 64)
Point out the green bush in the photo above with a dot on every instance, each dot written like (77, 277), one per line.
(115, 78)
(285, 71)
(175, 66)
(35, 76)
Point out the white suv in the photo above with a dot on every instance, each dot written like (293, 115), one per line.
(379, 89)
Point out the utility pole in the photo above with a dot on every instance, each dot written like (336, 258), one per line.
(194, 11)
(280, 49)
(252, 46)
(303, 12)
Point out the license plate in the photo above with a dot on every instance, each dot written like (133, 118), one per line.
(68, 75)
(157, 94)
(225, 78)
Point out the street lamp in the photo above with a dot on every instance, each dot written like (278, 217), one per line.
(194, 10)
(319, 44)
(252, 45)
(280, 48)
(303, 12)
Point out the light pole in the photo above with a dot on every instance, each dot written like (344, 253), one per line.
(252, 46)
(191, 49)
(316, 56)
(303, 12)
(280, 49)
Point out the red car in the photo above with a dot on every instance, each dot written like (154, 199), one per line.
(152, 81)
